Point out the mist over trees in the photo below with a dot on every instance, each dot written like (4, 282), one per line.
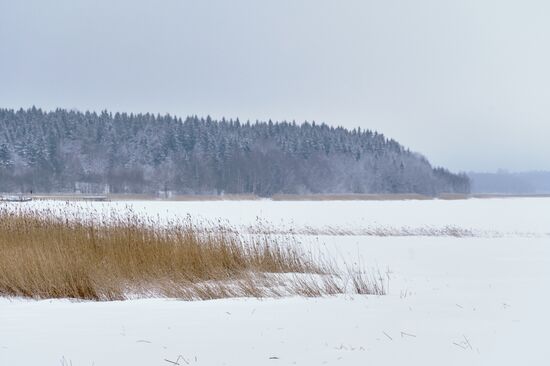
(144, 153)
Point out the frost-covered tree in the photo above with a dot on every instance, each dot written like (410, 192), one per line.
(51, 151)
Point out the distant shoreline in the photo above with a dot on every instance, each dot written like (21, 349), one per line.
(277, 197)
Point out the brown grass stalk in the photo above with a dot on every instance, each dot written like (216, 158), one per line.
(45, 256)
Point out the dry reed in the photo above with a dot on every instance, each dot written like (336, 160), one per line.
(47, 256)
(351, 197)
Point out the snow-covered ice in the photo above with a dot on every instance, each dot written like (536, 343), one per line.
(507, 215)
(451, 301)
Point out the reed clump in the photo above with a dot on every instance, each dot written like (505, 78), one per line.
(47, 256)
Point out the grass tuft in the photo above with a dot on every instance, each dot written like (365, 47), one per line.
(47, 256)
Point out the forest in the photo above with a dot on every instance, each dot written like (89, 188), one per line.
(65, 150)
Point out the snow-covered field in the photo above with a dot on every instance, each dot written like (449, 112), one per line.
(506, 216)
(481, 299)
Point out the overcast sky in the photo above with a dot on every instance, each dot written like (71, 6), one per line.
(465, 82)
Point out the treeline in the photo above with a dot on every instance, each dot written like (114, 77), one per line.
(145, 153)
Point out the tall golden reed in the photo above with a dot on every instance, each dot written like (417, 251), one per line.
(47, 256)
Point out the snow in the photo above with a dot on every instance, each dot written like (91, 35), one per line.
(506, 215)
(451, 301)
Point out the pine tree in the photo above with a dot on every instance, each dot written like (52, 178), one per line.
(151, 153)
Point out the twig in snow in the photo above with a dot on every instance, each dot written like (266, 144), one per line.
(407, 334)
(180, 357)
(467, 342)
(459, 345)
(64, 362)
(387, 335)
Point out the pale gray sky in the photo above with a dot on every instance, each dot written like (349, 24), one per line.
(467, 83)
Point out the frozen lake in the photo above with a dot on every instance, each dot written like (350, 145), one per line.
(505, 215)
(474, 300)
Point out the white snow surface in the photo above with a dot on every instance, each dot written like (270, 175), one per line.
(451, 301)
(502, 215)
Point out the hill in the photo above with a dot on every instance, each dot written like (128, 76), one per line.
(64, 151)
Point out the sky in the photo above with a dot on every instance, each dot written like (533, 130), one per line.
(466, 83)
